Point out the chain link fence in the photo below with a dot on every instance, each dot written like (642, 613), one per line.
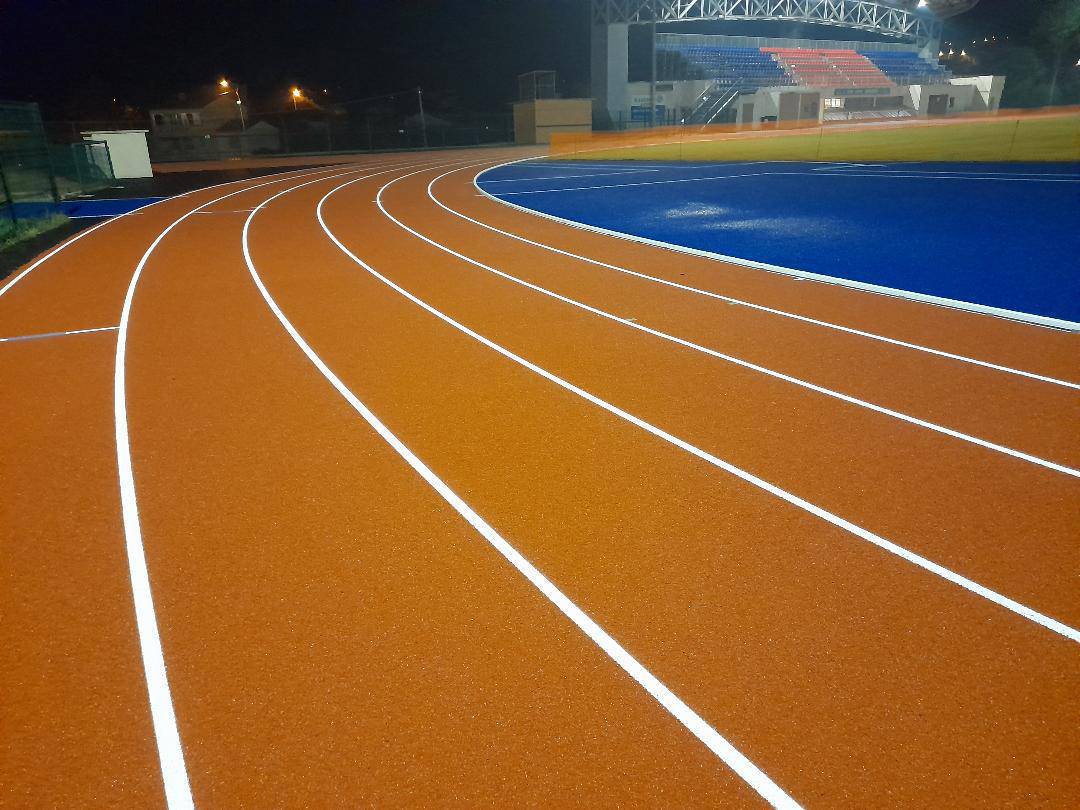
(41, 166)
(284, 134)
(27, 184)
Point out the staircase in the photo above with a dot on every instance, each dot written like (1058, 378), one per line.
(712, 103)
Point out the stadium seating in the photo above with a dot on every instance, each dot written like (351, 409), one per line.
(906, 67)
(829, 68)
(733, 67)
(749, 68)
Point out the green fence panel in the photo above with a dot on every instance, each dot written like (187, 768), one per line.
(24, 158)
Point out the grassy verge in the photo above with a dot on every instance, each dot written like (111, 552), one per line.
(13, 233)
(1035, 138)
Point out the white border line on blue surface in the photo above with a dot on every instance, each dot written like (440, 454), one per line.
(893, 292)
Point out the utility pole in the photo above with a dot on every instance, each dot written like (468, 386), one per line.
(423, 120)
(1054, 75)
(652, 77)
(240, 104)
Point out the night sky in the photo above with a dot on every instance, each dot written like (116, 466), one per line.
(75, 57)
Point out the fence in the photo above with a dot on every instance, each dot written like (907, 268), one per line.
(27, 184)
(1052, 134)
(81, 167)
(285, 135)
(387, 122)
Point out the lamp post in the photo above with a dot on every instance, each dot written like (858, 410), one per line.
(423, 119)
(224, 84)
(296, 94)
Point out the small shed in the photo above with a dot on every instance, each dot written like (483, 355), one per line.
(127, 149)
(539, 112)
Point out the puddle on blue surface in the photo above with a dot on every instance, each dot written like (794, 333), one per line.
(1002, 235)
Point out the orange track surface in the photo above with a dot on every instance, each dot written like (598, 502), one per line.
(336, 634)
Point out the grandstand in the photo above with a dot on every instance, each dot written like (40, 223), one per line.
(731, 66)
(904, 67)
(823, 68)
(889, 70)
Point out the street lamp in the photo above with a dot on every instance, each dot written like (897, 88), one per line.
(296, 94)
(224, 85)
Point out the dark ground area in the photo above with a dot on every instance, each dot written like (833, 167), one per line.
(14, 257)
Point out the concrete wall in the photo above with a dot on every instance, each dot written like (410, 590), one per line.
(799, 104)
(681, 97)
(986, 91)
(610, 67)
(918, 97)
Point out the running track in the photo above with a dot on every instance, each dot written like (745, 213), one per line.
(355, 486)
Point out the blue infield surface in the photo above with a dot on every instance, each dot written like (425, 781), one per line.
(99, 209)
(1005, 236)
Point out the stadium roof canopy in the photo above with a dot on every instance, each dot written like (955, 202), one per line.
(902, 19)
(942, 8)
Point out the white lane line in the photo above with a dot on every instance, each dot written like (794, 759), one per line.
(936, 173)
(712, 352)
(88, 231)
(811, 173)
(648, 183)
(835, 166)
(43, 335)
(887, 545)
(1021, 317)
(152, 197)
(569, 176)
(166, 733)
(693, 722)
(545, 164)
(619, 166)
(928, 176)
(725, 298)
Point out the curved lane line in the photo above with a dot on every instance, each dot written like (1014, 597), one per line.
(174, 773)
(88, 231)
(693, 722)
(727, 299)
(956, 434)
(887, 545)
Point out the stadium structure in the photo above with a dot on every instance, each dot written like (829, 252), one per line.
(883, 63)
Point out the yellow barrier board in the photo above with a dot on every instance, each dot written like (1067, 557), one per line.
(1043, 135)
